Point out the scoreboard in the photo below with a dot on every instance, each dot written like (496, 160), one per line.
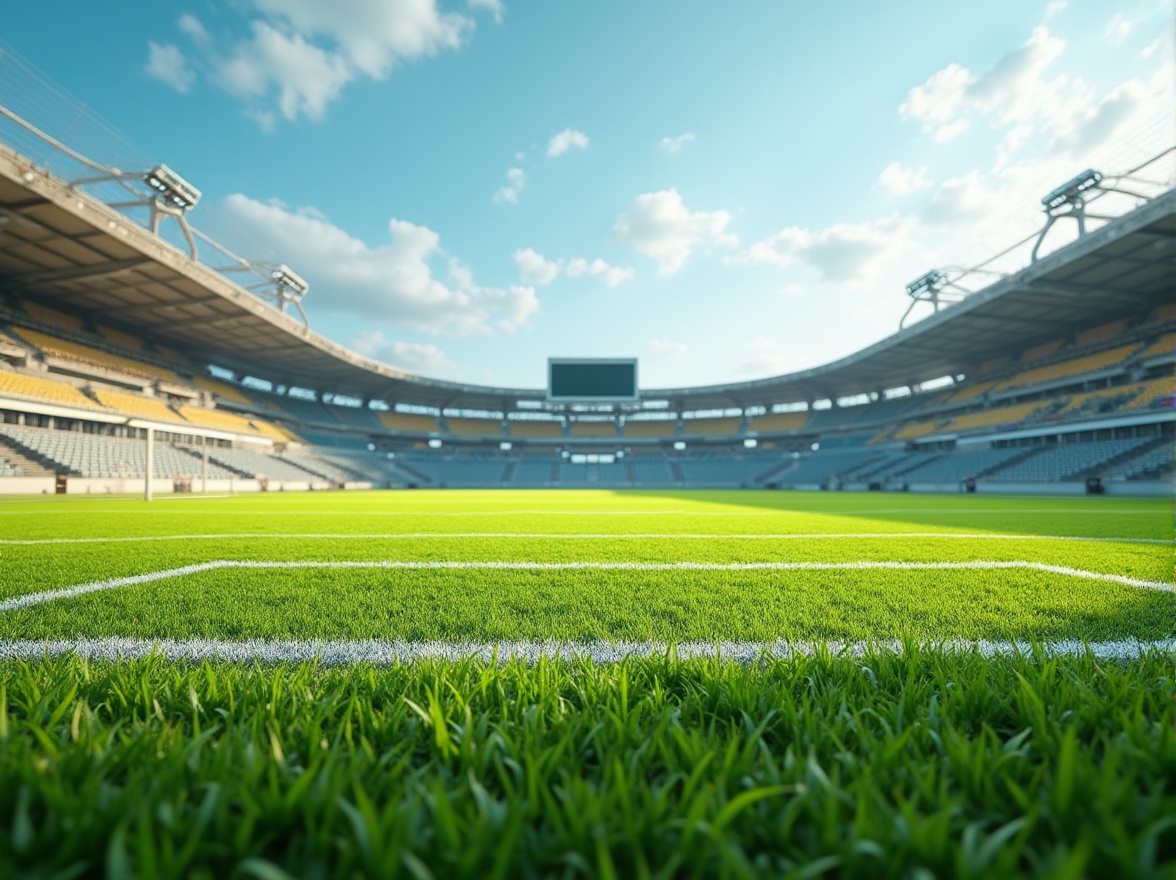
(592, 379)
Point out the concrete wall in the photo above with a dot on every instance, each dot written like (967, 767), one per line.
(26, 485)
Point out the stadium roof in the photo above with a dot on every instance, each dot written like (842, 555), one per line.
(66, 246)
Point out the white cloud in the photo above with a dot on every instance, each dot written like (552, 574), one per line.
(372, 36)
(964, 199)
(536, 269)
(394, 281)
(844, 252)
(669, 347)
(900, 180)
(937, 101)
(1013, 91)
(598, 269)
(1055, 7)
(568, 139)
(302, 77)
(190, 25)
(299, 54)
(167, 64)
(675, 144)
(658, 225)
(1118, 28)
(494, 7)
(415, 357)
(508, 193)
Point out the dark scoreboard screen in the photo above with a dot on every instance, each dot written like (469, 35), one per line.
(601, 379)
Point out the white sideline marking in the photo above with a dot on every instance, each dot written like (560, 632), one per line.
(338, 653)
(575, 536)
(827, 511)
(31, 599)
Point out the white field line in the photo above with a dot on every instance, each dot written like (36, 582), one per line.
(338, 653)
(575, 536)
(41, 598)
(831, 511)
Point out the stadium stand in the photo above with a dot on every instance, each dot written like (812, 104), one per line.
(1068, 461)
(305, 410)
(650, 469)
(969, 391)
(1042, 351)
(95, 455)
(222, 390)
(249, 463)
(333, 440)
(650, 428)
(1101, 333)
(536, 470)
(94, 357)
(917, 429)
(778, 422)
(592, 474)
(474, 427)
(961, 464)
(218, 420)
(121, 339)
(824, 465)
(53, 316)
(409, 423)
(1070, 367)
(992, 418)
(1150, 462)
(359, 417)
(1165, 346)
(460, 470)
(710, 427)
(737, 470)
(535, 429)
(47, 390)
(133, 405)
(602, 430)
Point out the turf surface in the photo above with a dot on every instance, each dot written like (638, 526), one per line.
(911, 763)
(724, 528)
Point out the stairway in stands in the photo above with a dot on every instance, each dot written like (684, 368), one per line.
(31, 463)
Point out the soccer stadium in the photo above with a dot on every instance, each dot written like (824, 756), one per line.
(271, 607)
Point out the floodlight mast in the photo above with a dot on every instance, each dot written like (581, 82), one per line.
(934, 287)
(1067, 200)
(167, 195)
(289, 287)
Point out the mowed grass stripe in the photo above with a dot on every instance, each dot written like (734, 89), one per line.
(574, 536)
(380, 653)
(619, 602)
(36, 568)
(30, 599)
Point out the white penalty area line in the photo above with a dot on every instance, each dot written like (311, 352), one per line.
(31, 599)
(572, 536)
(341, 653)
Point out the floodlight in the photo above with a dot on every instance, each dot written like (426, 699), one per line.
(171, 188)
(1070, 192)
(1068, 195)
(928, 283)
(288, 282)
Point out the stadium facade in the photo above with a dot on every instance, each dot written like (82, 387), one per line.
(1057, 378)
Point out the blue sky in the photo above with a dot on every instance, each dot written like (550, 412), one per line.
(724, 191)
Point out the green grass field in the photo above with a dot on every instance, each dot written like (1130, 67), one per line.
(413, 684)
